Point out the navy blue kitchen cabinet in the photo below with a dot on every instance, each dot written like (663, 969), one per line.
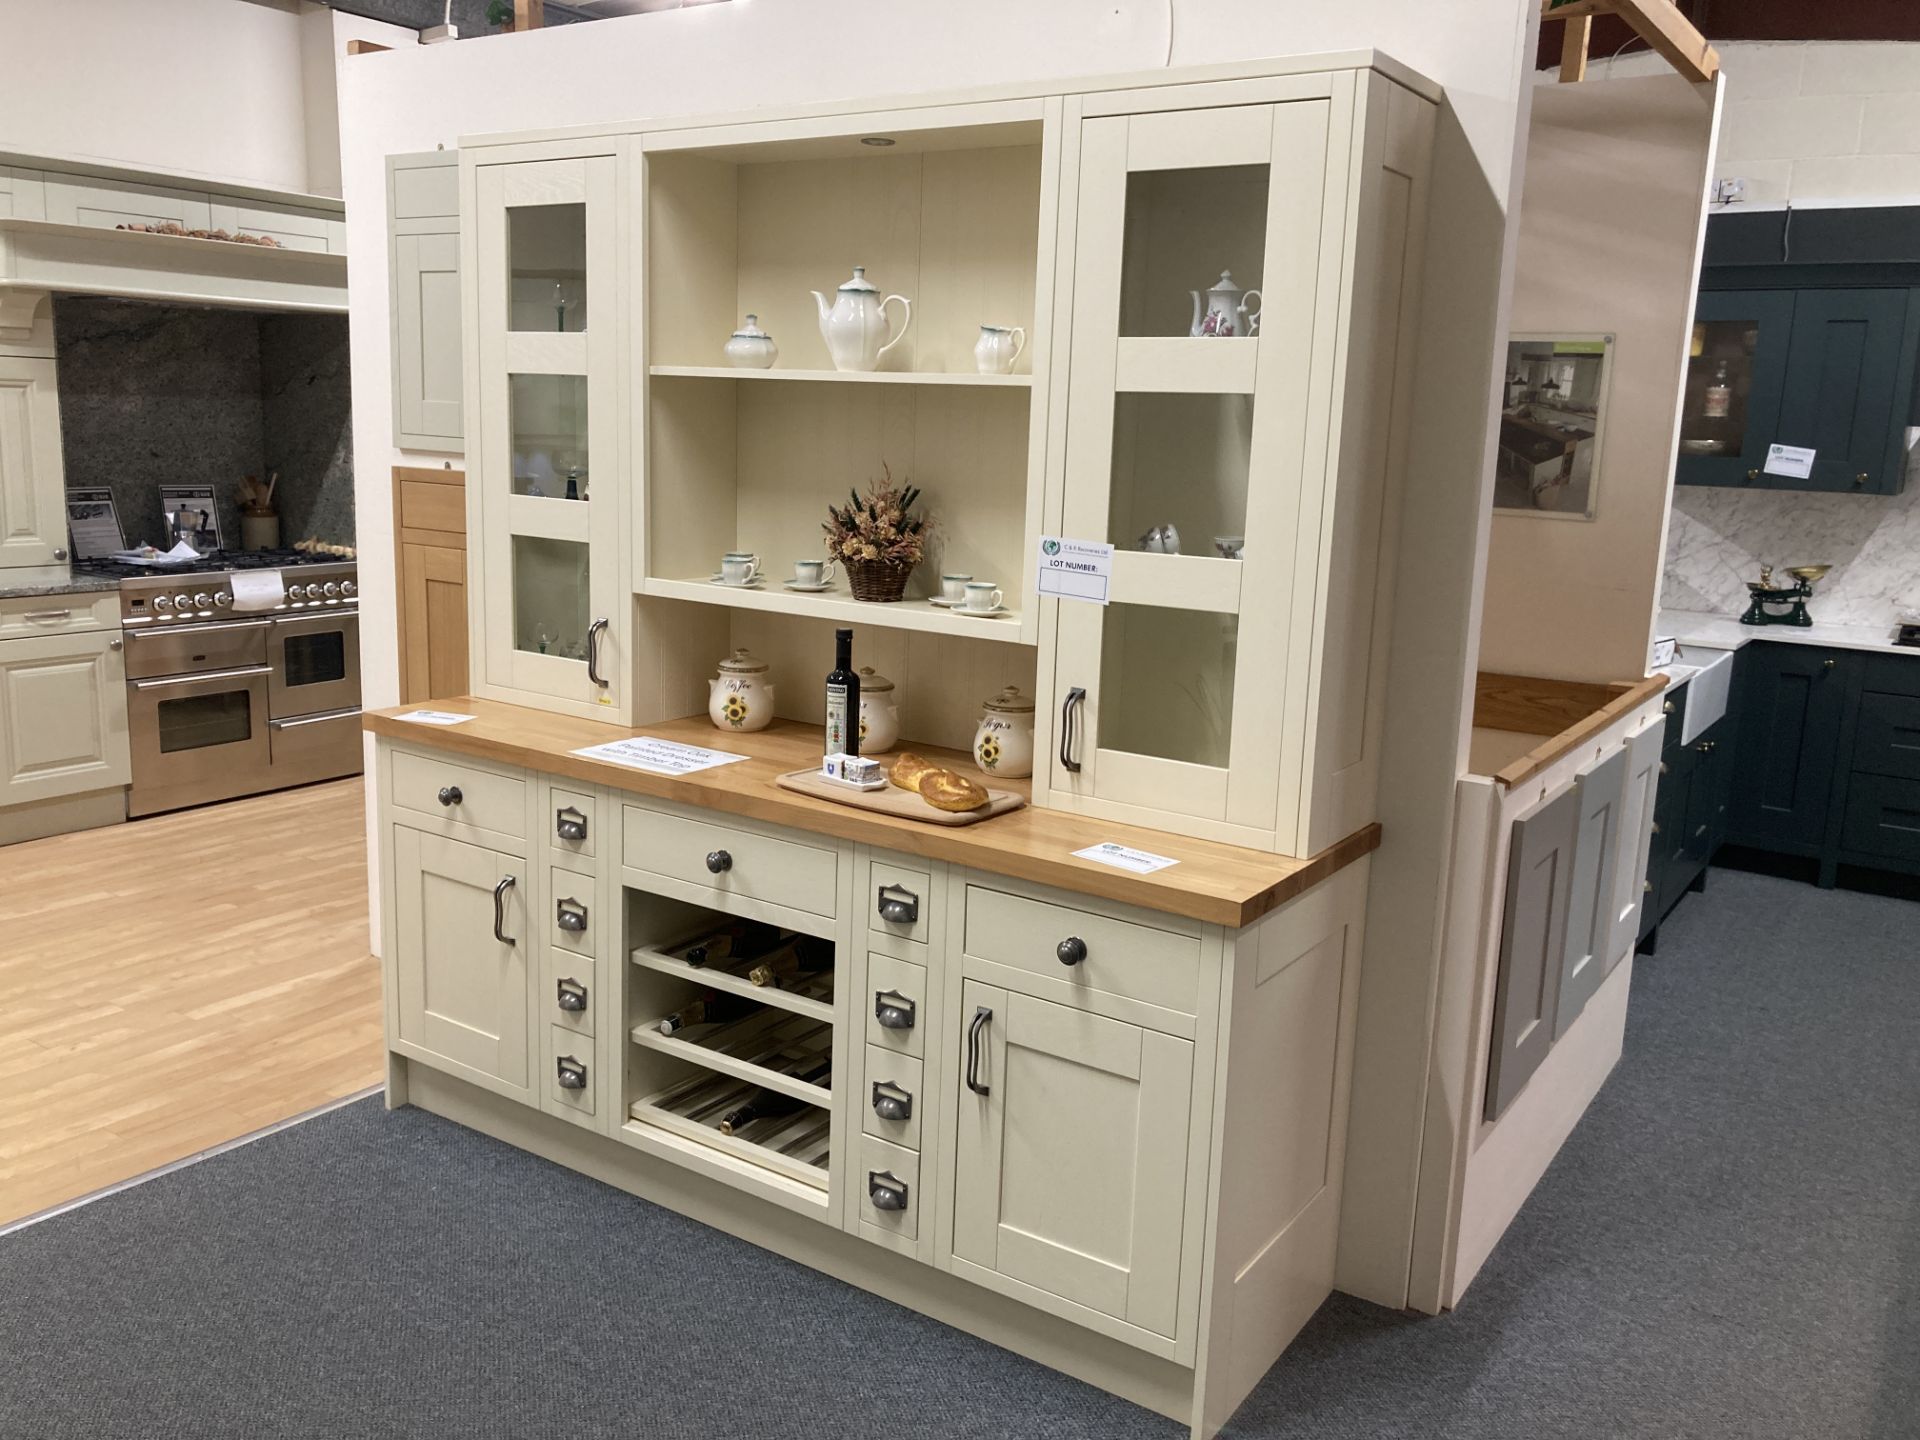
(1791, 702)
(1690, 813)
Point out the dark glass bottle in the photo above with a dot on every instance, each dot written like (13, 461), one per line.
(843, 699)
(769, 1104)
(707, 1010)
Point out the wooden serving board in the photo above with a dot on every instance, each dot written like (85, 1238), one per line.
(895, 801)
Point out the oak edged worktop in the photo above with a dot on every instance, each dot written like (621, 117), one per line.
(1220, 884)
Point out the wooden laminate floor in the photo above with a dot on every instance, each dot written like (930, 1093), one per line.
(176, 982)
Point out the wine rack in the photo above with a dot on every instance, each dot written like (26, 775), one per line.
(804, 994)
(796, 1145)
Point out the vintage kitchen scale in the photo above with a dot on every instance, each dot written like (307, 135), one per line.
(1782, 605)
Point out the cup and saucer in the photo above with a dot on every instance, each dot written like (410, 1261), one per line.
(980, 599)
(739, 570)
(953, 592)
(810, 577)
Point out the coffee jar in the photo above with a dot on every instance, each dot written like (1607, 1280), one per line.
(1003, 743)
(879, 715)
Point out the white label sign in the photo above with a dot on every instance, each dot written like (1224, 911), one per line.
(1790, 460)
(430, 717)
(662, 757)
(1124, 857)
(1075, 569)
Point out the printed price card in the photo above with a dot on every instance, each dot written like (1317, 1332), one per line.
(1075, 569)
(430, 717)
(662, 757)
(1125, 857)
(1793, 461)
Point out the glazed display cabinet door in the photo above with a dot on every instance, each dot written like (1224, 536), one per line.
(461, 958)
(1735, 374)
(33, 513)
(1187, 442)
(548, 430)
(63, 716)
(1072, 1157)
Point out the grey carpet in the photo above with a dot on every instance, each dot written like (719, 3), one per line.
(1729, 1247)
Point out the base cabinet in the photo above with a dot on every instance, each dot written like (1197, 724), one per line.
(1791, 701)
(63, 716)
(33, 513)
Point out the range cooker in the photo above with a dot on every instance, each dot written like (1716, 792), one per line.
(225, 700)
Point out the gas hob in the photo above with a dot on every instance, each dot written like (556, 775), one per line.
(198, 595)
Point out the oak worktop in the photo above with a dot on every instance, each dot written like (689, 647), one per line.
(1221, 884)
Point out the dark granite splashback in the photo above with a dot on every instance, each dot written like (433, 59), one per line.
(154, 394)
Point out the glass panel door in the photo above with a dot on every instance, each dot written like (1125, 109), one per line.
(1735, 373)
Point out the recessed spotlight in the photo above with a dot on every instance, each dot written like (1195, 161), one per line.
(879, 142)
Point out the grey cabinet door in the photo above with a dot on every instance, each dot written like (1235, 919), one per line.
(423, 256)
(1533, 937)
(1601, 794)
(1631, 888)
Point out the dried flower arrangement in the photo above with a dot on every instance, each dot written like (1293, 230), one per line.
(168, 227)
(878, 538)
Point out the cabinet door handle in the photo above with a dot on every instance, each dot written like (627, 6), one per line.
(886, 1190)
(893, 1010)
(898, 905)
(570, 914)
(1828, 663)
(1861, 479)
(569, 823)
(890, 1102)
(116, 644)
(48, 615)
(570, 995)
(500, 910)
(571, 1074)
(719, 862)
(1069, 709)
(594, 631)
(1071, 950)
(1753, 475)
(982, 1017)
(450, 796)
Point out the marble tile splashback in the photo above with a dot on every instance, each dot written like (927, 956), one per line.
(1717, 540)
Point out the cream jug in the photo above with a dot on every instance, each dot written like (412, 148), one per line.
(740, 697)
(855, 324)
(1223, 313)
(1003, 745)
(998, 347)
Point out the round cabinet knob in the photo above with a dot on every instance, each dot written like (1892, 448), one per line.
(59, 555)
(1828, 663)
(1666, 708)
(1753, 475)
(1861, 479)
(450, 795)
(349, 589)
(329, 589)
(719, 861)
(1071, 950)
(163, 602)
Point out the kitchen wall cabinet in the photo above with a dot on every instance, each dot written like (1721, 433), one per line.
(423, 263)
(33, 510)
(1830, 368)
(63, 715)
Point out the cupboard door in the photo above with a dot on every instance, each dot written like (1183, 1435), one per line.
(433, 622)
(463, 992)
(426, 320)
(1735, 376)
(1533, 937)
(1792, 700)
(33, 512)
(1071, 1166)
(1188, 450)
(1636, 842)
(63, 716)
(1586, 957)
(1843, 398)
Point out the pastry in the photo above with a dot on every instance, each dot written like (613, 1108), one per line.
(908, 769)
(947, 790)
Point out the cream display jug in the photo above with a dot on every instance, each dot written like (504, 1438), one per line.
(855, 325)
(740, 697)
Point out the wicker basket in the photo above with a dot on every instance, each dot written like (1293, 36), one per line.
(877, 580)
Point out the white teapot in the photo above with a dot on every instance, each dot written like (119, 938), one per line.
(751, 348)
(740, 697)
(879, 714)
(1003, 744)
(855, 324)
(1223, 313)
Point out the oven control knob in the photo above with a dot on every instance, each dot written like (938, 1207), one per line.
(330, 590)
(222, 600)
(163, 602)
(349, 589)
(183, 602)
(296, 592)
(203, 601)
(313, 592)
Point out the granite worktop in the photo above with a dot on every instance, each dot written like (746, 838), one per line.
(1723, 632)
(53, 580)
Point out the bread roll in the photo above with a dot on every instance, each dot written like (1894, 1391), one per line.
(946, 790)
(908, 769)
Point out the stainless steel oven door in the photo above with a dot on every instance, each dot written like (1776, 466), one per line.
(197, 738)
(184, 649)
(315, 661)
(316, 747)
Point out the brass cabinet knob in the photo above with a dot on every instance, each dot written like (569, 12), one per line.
(1828, 663)
(1860, 479)
(1753, 475)
(1666, 708)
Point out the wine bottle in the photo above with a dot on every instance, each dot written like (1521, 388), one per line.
(843, 699)
(775, 969)
(742, 940)
(770, 1104)
(813, 954)
(707, 1010)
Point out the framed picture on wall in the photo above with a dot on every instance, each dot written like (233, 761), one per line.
(1552, 412)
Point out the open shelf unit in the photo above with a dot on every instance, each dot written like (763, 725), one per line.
(839, 606)
(843, 377)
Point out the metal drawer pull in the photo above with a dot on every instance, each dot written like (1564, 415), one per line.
(571, 996)
(321, 719)
(450, 795)
(719, 861)
(571, 1074)
(48, 615)
(981, 1016)
(890, 1102)
(569, 823)
(893, 1010)
(245, 672)
(886, 1190)
(898, 905)
(594, 631)
(1069, 708)
(1071, 950)
(570, 914)
(500, 910)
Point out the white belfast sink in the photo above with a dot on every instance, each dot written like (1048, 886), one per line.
(1708, 675)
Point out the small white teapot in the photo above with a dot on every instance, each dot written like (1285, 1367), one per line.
(855, 324)
(879, 714)
(740, 697)
(751, 348)
(1003, 745)
(1223, 313)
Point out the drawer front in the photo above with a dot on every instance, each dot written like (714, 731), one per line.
(1883, 818)
(429, 505)
(474, 797)
(896, 1005)
(575, 822)
(571, 1074)
(901, 902)
(426, 190)
(890, 1097)
(57, 614)
(889, 1183)
(732, 862)
(1894, 674)
(1888, 741)
(569, 993)
(1139, 962)
(572, 912)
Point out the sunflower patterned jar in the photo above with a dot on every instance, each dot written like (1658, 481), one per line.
(1003, 745)
(879, 714)
(740, 697)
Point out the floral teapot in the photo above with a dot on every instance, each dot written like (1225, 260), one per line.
(1223, 313)
(740, 697)
(855, 324)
